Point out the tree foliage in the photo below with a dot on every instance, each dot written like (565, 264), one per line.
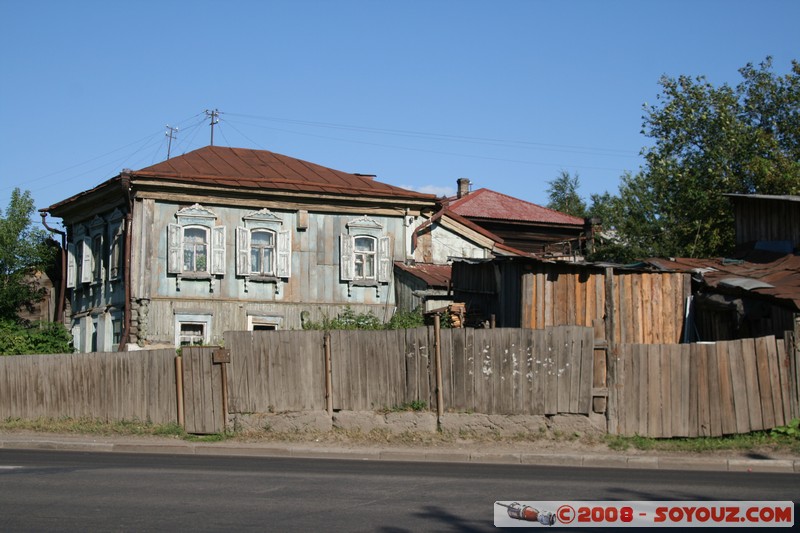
(564, 197)
(23, 250)
(36, 338)
(708, 140)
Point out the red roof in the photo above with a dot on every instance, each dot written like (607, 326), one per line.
(765, 273)
(261, 169)
(435, 276)
(488, 204)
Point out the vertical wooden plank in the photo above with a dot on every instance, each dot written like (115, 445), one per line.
(470, 365)
(586, 365)
(645, 397)
(550, 370)
(549, 302)
(751, 384)
(655, 410)
(727, 411)
(676, 399)
(773, 359)
(783, 373)
(541, 283)
(741, 405)
(714, 391)
(665, 370)
(520, 403)
(537, 345)
(410, 366)
(460, 371)
(703, 402)
(762, 365)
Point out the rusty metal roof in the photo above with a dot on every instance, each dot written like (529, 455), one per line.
(488, 204)
(767, 274)
(435, 276)
(261, 169)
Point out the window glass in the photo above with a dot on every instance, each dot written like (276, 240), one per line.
(97, 254)
(195, 250)
(192, 333)
(262, 252)
(365, 257)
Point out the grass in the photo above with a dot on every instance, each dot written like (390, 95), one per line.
(752, 442)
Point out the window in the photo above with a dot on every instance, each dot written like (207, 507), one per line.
(195, 246)
(191, 333)
(366, 253)
(259, 322)
(195, 249)
(263, 249)
(115, 265)
(192, 328)
(364, 258)
(97, 258)
(262, 252)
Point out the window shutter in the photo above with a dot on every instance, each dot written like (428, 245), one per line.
(242, 251)
(384, 260)
(218, 250)
(284, 266)
(72, 265)
(175, 249)
(87, 272)
(347, 265)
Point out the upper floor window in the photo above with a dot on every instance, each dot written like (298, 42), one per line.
(263, 248)
(196, 247)
(364, 257)
(262, 252)
(97, 258)
(366, 254)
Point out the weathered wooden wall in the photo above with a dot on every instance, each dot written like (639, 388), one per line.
(707, 389)
(767, 219)
(106, 386)
(275, 371)
(497, 371)
(518, 371)
(645, 307)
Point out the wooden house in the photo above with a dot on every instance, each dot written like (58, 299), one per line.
(229, 239)
(482, 225)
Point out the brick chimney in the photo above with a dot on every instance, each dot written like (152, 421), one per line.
(463, 187)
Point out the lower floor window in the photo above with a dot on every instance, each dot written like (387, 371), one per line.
(192, 329)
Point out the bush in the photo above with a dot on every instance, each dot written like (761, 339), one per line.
(34, 338)
(349, 319)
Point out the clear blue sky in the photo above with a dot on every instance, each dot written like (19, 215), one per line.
(506, 93)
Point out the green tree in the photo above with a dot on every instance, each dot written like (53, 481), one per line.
(564, 197)
(23, 250)
(710, 141)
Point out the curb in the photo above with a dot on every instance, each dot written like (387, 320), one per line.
(363, 454)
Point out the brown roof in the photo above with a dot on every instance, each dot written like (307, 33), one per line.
(764, 273)
(436, 276)
(261, 169)
(488, 204)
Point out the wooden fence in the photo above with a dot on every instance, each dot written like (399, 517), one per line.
(104, 386)
(698, 390)
(492, 371)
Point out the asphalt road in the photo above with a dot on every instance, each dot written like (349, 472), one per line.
(80, 491)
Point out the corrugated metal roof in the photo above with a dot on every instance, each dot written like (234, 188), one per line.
(488, 204)
(262, 169)
(781, 197)
(768, 274)
(436, 276)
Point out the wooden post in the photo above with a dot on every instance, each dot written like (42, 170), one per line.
(437, 347)
(224, 369)
(179, 390)
(328, 375)
(614, 384)
(492, 321)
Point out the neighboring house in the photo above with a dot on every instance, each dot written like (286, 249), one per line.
(756, 292)
(480, 225)
(229, 239)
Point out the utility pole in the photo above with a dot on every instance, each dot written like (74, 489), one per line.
(214, 115)
(171, 133)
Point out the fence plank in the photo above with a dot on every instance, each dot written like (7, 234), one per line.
(640, 355)
(537, 346)
(783, 374)
(550, 368)
(739, 386)
(726, 399)
(773, 359)
(751, 385)
(655, 412)
(762, 365)
(586, 365)
(714, 391)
